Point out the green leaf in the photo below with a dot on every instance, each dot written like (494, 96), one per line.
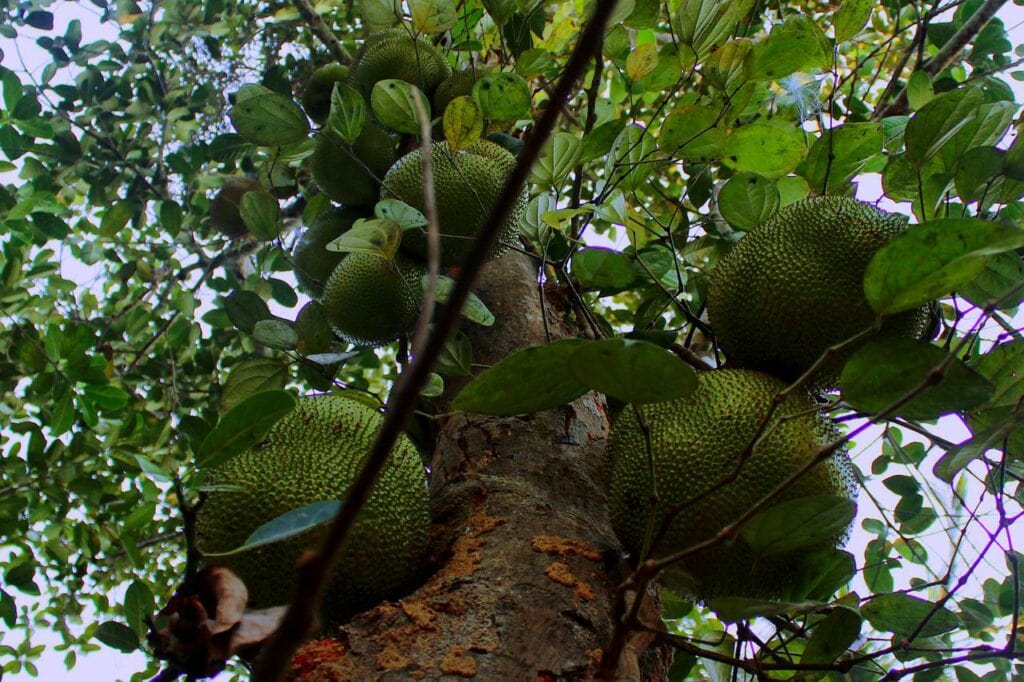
(108, 398)
(919, 90)
(735, 609)
(629, 165)
(63, 413)
(245, 309)
(840, 154)
(850, 18)
(501, 10)
(261, 214)
(313, 329)
(704, 24)
(692, 133)
(792, 45)
(746, 200)
(393, 105)
(902, 614)
(286, 526)
(959, 456)
(764, 148)
(932, 260)
(249, 377)
(463, 123)
(348, 113)
(434, 388)
(601, 268)
(243, 427)
(559, 156)
(456, 359)
(534, 379)
(976, 173)
(138, 605)
(266, 118)
(274, 333)
(832, 636)
(888, 369)
(474, 310)
(378, 14)
(117, 636)
(938, 121)
(1003, 274)
(635, 372)
(115, 218)
(378, 237)
(503, 96)
(798, 524)
(407, 217)
(433, 16)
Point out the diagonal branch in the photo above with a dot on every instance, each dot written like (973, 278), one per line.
(321, 31)
(278, 653)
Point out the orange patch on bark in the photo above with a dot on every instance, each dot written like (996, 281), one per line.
(456, 662)
(392, 660)
(419, 613)
(553, 544)
(319, 655)
(560, 573)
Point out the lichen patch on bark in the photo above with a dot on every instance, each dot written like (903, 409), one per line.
(456, 662)
(552, 544)
(561, 574)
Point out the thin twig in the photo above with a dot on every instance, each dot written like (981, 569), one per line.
(320, 30)
(433, 228)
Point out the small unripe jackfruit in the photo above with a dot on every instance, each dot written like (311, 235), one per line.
(311, 261)
(351, 175)
(394, 53)
(316, 99)
(224, 214)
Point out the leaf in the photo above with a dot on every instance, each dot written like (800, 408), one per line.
(840, 154)
(407, 217)
(348, 113)
(534, 379)
(245, 309)
(850, 18)
(635, 372)
(746, 200)
(1003, 274)
(642, 61)
(886, 370)
(261, 214)
(138, 605)
(286, 526)
(434, 388)
(919, 90)
(704, 24)
(503, 96)
(463, 123)
(249, 377)
(628, 163)
(792, 45)
(244, 426)
(601, 268)
(393, 105)
(692, 133)
(266, 118)
(832, 636)
(735, 609)
(764, 148)
(378, 237)
(433, 16)
(115, 218)
(932, 260)
(901, 615)
(799, 524)
(474, 310)
(456, 359)
(117, 636)
(275, 333)
(938, 121)
(959, 456)
(976, 172)
(108, 398)
(560, 154)
(313, 329)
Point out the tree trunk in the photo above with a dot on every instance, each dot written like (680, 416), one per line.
(528, 565)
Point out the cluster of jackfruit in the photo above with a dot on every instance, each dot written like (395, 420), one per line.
(371, 300)
(786, 293)
(313, 455)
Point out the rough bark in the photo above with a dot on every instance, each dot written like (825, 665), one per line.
(525, 583)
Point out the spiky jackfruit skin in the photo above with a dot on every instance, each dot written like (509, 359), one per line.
(371, 300)
(795, 286)
(311, 261)
(459, 84)
(393, 53)
(224, 213)
(466, 185)
(311, 455)
(696, 442)
(351, 176)
(316, 99)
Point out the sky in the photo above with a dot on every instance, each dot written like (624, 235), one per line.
(108, 664)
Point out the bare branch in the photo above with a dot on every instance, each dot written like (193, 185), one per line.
(320, 30)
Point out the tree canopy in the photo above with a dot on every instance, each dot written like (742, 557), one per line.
(144, 340)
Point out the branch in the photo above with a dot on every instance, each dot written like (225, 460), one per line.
(320, 30)
(278, 653)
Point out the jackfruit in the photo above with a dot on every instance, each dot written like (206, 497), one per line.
(794, 286)
(459, 84)
(311, 261)
(695, 443)
(316, 99)
(394, 53)
(371, 300)
(351, 176)
(224, 213)
(466, 185)
(313, 455)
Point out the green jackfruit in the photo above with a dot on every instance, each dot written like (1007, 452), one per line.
(224, 213)
(313, 455)
(351, 176)
(466, 185)
(311, 261)
(695, 443)
(371, 300)
(459, 84)
(316, 99)
(394, 53)
(795, 286)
